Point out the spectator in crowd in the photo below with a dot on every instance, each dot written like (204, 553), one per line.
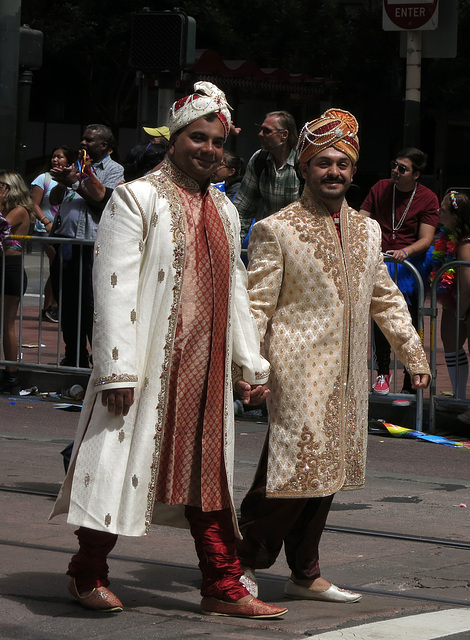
(407, 212)
(453, 243)
(83, 190)
(44, 212)
(228, 175)
(315, 272)
(16, 208)
(142, 159)
(270, 181)
(155, 440)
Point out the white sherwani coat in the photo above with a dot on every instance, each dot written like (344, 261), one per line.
(138, 273)
(311, 299)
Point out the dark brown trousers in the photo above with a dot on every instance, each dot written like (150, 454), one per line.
(268, 523)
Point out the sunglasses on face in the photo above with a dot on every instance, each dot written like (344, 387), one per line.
(402, 169)
(267, 131)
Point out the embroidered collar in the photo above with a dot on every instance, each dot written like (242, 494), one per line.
(180, 178)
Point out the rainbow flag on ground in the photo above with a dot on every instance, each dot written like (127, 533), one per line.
(402, 432)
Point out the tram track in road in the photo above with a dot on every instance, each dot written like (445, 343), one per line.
(445, 542)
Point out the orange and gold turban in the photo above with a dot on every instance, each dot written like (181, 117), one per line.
(335, 128)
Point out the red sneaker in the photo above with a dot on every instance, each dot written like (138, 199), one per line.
(382, 385)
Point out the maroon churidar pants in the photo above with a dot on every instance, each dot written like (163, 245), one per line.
(214, 540)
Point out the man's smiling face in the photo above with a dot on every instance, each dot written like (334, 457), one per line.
(198, 149)
(328, 176)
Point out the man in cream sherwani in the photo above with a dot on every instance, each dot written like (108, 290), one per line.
(315, 273)
(172, 326)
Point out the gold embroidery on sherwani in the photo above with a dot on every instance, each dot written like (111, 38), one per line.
(167, 189)
(319, 461)
(107, 519)
(237, 373)
(115, 377)
(356, 259)
(314, 225)
(306, 469)
(113, 280)
(355, 448)
(142, 210)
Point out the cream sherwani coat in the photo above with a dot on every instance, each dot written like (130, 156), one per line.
(311, 299)
(138, 273)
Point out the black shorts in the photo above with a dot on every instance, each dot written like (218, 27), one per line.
(13, 268)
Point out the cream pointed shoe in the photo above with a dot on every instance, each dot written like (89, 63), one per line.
(332, 594)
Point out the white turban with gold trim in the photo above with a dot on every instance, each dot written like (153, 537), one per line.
(207, 98)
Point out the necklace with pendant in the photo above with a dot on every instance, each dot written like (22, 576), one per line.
(396, 227)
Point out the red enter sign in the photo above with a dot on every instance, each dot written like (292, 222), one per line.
(410, 15)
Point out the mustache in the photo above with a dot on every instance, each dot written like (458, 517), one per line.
(333, 180)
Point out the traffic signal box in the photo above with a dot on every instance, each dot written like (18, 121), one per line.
(162, 41)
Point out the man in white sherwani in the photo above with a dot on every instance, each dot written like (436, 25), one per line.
(315, 273)
(172, 330)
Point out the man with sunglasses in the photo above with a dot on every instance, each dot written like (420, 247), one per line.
(270, 181)
(407, 212)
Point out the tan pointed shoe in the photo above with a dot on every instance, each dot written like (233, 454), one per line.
(98, 599)
(252, 609)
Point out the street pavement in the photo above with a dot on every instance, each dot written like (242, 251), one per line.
(409, 587)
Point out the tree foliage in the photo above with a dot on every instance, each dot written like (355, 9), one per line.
(87, 51)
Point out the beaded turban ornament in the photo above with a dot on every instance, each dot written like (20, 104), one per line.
(335, 128)
(207, 98)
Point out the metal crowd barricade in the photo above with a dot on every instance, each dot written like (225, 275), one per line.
(434, 312)
(20, 328)
(420, 328)
(38, 363)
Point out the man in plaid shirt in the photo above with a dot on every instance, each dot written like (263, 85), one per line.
(270, 181)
